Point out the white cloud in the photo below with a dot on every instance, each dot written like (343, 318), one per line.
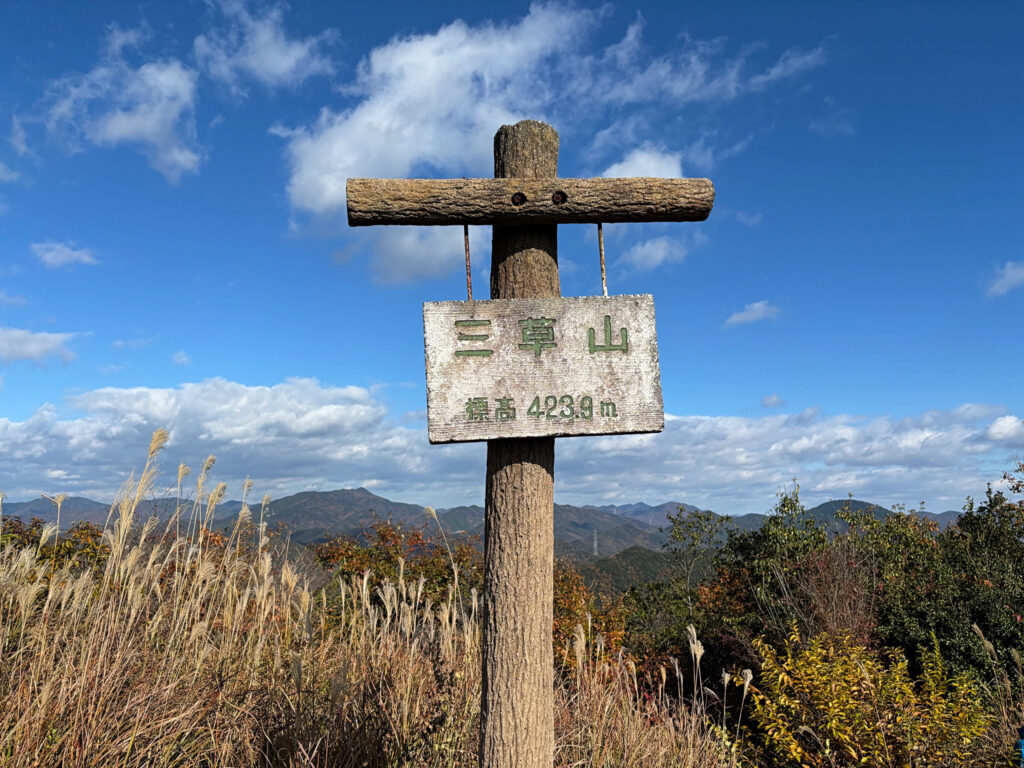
(18, 138)
(181, 358)
(648, 254)
(302, 434)
(749, 219)
(55, 255)
(759, 310)
(136, 343)
(694, 72)
(688, 75)
(400, 254)
(460, 83)
(1009, 429)
(9, 300)
(647, 160)
(431, 101)
(772, 401)
(6, 174)
(735, 465)
(428, 104)
(295, 435)
(19, 344)
(149, 105)
(792, 62)
(1008, 277)
(258, 47)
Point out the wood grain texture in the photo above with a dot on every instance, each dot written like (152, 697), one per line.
(517, 726)
(493, 201)
(482, 380)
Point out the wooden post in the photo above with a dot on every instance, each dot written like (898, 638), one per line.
(525, 202)
(517, 704)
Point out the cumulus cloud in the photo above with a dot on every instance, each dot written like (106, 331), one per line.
(736, 464)
(181, 358)
(652, 253)
(296, 435)
(647, 160)
(258, 47)
(462, 81)
(1008, 429)
(1008, 277)
(459, 83)
(428, 104)
(772, 401)
(20, 344)
(149, 105)
(400, 254)
(302, 434)
(752, 313)
(431, 102)
(55, 255)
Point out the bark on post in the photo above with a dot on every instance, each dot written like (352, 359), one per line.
(517, 715)
(521, 201)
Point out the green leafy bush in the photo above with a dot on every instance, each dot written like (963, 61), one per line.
(830, 703)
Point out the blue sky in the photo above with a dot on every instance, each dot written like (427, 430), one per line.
(174, 251)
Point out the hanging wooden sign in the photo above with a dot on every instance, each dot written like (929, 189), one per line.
(556, 367)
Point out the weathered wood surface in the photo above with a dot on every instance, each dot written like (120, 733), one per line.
(583, 366)
(527, 201)
(517, 720)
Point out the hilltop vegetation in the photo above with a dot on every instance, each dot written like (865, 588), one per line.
(867, 638)
(170, 644)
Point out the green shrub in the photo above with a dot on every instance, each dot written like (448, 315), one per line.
(831, 703)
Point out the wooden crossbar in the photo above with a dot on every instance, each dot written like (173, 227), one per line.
(527, 201)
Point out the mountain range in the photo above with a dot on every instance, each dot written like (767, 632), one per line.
(312, 515)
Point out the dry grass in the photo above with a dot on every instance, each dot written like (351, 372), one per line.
(182, 648)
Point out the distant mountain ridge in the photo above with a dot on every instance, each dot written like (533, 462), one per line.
(312, 515)
(574, 529)
(645, 513)
(72, 509)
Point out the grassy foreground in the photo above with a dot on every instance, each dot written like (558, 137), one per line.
(170, 645)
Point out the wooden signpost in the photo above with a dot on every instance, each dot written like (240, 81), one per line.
(518, 371)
